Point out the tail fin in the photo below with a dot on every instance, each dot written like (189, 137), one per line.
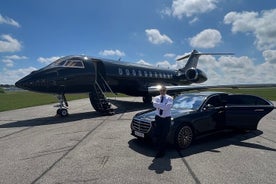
(193, 59)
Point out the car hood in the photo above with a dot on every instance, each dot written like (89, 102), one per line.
(149, 116)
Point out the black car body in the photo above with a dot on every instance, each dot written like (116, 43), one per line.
(194, 114)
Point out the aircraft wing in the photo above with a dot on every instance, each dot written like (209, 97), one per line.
(154, 90)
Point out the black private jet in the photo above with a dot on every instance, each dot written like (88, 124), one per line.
(82, 74)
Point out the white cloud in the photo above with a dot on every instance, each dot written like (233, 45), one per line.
(9, 44)
(7, 20)
(194, 20)
(270, 56)
(143, 62)
(8, 60)
(48, 60)
(16, 57)
(208, 38)
(164, 64)
(112, 53)
(236, 70)
(260, 24)
(155, 37)
(190, 8)
(11, 76)
(169, 55)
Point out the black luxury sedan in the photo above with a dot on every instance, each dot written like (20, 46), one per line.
(194, 114)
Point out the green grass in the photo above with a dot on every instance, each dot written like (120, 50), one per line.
(267, 93)
(21, 99)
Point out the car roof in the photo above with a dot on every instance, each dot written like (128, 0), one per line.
(204, 93)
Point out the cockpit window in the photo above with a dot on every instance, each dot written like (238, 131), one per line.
(72, 63)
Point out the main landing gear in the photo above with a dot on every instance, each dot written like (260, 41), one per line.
(147, 99)
(62, 106)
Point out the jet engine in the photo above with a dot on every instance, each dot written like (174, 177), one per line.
(195, 75)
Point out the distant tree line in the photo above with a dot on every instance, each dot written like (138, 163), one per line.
(6, 85)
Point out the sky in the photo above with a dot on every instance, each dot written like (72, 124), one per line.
(34, 33)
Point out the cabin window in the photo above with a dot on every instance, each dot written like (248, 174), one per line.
(160, 75)
(150, 74)
(120, 71)
(155, 74)
(145, 73)
(133, 72)
(127, 72)
(140, 73)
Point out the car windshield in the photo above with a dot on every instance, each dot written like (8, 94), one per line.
(188, 102)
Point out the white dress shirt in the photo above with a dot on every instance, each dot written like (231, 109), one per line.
(166, 105)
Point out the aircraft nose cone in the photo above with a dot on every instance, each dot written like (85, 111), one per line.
(23, 83)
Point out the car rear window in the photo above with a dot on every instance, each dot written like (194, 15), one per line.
(245, 100)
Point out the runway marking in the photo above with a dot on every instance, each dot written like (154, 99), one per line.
(15, 132)
(189, 168)
(104, 160)
(267, 139)
(69, 150)
(48, 152)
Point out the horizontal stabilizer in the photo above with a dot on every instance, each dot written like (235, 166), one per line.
(179, 89)
(199, 54)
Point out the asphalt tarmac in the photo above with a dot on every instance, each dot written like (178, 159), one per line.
(85, 147)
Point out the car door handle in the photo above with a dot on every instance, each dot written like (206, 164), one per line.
(258, 110)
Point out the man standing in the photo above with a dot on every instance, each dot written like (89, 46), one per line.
(163, 104)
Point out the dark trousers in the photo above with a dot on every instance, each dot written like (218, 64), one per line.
(162, 127)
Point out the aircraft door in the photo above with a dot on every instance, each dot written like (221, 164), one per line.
(52, 82)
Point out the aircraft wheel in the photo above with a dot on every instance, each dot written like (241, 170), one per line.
(62, 112)
(58, 112)
(184, 137)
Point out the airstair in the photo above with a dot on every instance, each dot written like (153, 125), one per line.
(97, 97)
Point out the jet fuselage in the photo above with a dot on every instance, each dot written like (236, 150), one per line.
(76, 74)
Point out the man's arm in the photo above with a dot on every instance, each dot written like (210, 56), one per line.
(156, 103)
(169, 104)
(164, 106)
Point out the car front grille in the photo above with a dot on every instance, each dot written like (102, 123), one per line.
(141, 126)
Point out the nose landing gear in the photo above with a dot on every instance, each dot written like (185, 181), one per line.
(62, 106)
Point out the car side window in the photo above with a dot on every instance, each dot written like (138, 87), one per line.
(245, 100)
(214, 101)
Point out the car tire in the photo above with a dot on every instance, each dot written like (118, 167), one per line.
(184, 137)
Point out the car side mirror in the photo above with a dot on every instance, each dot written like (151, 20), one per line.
(209, 107)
